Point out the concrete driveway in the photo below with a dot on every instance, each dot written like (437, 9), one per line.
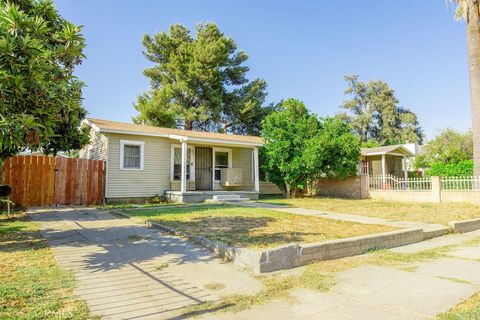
(127, 271)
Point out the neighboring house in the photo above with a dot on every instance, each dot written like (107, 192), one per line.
(386, 160)
(181, 165)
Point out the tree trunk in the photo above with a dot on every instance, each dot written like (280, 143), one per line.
(473, 47)
(188, 125)
(2, 162)
(287, 190)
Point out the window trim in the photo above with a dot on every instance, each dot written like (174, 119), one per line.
(138, 143)
(172, 161)
(215, 150)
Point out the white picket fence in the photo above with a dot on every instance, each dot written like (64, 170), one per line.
(390, 182)
(461, 183)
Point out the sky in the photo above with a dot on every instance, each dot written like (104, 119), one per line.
(303, 49)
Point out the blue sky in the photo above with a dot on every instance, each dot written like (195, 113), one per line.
(301, 48)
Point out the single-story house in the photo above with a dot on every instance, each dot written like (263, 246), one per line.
(386, 160)
(180, 165)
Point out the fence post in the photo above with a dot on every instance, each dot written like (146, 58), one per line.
(436, 189)
(364, 186)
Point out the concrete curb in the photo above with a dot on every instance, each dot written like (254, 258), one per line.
(465, 225)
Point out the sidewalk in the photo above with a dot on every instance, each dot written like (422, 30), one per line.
(372, 292)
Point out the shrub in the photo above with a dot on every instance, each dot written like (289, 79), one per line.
(462, 168)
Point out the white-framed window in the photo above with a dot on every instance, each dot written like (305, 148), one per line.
(132, 154)
(176, 163)
(222, 158)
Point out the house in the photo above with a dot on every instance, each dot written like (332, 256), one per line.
(386, 160)
(180, 165)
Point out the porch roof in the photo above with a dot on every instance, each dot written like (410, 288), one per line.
(396, 150)
(187, 135)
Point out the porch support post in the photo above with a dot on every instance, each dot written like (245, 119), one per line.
(405, 170)
(256, 169)
(183, 178)
(383, 168)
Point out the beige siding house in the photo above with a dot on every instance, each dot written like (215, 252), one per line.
(187, 166)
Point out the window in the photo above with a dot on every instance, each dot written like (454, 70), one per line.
(177, 163)
(221, 161)
(131, 155)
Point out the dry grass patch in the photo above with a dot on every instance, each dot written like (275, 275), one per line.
(467, 310)
(404, 211)
(32, 285)
(253, 227)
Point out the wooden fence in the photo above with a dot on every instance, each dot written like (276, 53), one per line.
(46, 181)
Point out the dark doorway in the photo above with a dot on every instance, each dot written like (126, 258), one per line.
(203, 168)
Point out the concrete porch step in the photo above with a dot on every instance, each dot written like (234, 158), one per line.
(228, 197)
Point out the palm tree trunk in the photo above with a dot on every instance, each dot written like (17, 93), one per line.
(473, 46)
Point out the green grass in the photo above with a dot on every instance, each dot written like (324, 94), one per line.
(253, 227)
(404, 211)
(32, 285)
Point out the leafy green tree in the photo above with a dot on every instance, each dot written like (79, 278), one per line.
(40, 98)
(448, 147)
(199, 83)
(300, 148)
(374, 114)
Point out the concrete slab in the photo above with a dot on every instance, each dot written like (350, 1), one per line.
(353, 309)
(421, 294)
(303, 304)
(453, 239)
(466, 252)
(125, 270)
(358, 281)
(452, 268)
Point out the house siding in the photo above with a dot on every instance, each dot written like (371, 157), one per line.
(241, 158)
(153, 180)
(97, 149)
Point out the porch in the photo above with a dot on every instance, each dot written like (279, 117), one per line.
(202, 171)
(200, 196)
(385, 161)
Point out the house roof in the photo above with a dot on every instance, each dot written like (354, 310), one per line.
(397, 149)
(198, 136)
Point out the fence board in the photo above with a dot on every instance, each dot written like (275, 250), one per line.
(46, 181)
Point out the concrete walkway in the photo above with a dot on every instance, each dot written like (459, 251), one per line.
(428, 227)
(126, 271)
(373, 292)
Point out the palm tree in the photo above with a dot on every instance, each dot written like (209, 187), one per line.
(469, 10)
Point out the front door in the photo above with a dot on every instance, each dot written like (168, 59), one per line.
(203, 168)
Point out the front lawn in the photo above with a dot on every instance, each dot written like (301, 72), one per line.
(32, 285)
(253, 227)
(404, 211)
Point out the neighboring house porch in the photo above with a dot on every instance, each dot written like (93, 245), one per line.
(385, 161)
